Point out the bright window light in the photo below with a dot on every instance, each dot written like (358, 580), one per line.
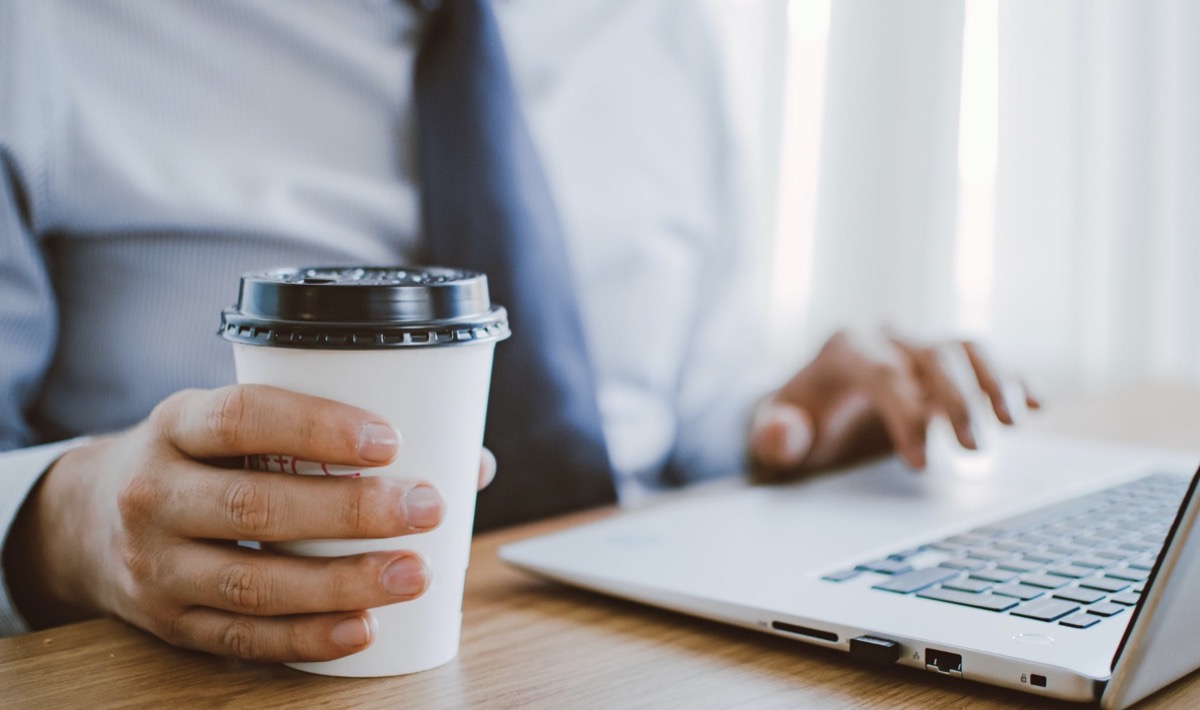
(977, 155)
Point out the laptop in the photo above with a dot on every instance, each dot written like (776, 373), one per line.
(1066, 569)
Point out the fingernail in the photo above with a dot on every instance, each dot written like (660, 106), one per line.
(405, 577)
(487, 468)
(797, 440)
(967, 437)
(351, 633)
(378, 442)
(422, 506)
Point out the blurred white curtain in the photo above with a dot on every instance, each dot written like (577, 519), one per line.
(882, 229)
(1036, 185)
(1098, 189)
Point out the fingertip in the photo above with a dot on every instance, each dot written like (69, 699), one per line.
(378, 442)
(914, 456)
(422, 507)
(783, 437)
(966, 437)
(406, 577)
(487, 467)
(354, 632)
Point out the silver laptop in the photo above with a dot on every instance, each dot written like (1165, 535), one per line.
(1064, 569)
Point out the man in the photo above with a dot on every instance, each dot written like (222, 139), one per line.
(153, 152)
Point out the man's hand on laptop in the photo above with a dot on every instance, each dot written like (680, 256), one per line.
(864, 396)
(144, 525)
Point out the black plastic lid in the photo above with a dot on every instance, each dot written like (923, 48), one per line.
(355, 308)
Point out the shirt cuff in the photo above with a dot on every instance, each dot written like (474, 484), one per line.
(20, 470)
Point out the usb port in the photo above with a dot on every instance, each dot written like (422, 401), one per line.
(1037, 680)
(943, 662)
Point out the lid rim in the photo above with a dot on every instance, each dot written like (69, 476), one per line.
(363, 307)
(251, 330)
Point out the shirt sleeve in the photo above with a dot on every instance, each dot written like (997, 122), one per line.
(19, 472)
(27, 334)
(28, 313)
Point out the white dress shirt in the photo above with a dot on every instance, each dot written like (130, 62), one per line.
(152, 152)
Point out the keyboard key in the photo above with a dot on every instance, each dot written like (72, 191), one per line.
(1083, 596)
(1128, 598)
(1044, 557)
(1047, 609)
(990, 602)
(1080, 621)
(905, 554)
(1024, 592)
(968, 540)
(989, 555)
(974, 586)
(1042, 516)
(1063, 532)
(916, 580)
(1104, 584)
(989, 532)
(1069, 571)
(962, 563)
(1044, 581)
(996, 576)
(1014, 546)
(1142, 565)
(1037, 538)
(841, 576)
(1127, 574)
(1093, 561)
(885, 566)
(1019, 565)
(1105, 609)
(946, 546)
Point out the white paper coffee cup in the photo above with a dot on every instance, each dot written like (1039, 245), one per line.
(414, 346)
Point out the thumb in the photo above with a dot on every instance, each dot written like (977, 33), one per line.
(781, 435)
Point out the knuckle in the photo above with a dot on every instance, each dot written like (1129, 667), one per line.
(929, 359)
(139, 563)
(238, 639)
(168, 627)
(226, 420)
(884, 374)
(248, 506)
(363, 512)
(138, 498)
(166, 411)
(173, 625)
(243, 586)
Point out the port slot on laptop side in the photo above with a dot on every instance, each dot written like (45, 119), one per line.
(943, 662)
(804, 631)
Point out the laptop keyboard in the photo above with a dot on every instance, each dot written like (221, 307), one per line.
(1075, 563)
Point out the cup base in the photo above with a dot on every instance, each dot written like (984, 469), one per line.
(351, 667)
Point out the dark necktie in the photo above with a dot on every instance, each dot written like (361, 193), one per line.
(486, 206)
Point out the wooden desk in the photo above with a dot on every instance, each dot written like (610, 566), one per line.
(528, 643)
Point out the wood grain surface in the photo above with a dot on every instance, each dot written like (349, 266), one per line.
(533, 644)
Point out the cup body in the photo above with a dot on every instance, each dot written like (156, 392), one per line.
(437, 398)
